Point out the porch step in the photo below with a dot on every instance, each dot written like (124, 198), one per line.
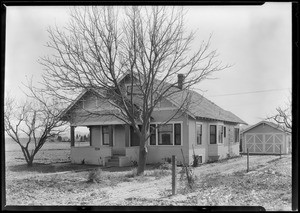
(113, 161)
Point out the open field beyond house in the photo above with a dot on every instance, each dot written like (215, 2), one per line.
(54, 181)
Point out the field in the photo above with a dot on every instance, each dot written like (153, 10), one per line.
(54, 181)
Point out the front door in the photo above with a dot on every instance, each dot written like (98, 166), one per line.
(119, 140)
(134, 138)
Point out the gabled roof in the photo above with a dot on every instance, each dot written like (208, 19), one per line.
(77, 99)
(199, 106)
(275, 126)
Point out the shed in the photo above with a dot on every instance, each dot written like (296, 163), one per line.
(266, 138)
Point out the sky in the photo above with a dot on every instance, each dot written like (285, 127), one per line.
(255, 40)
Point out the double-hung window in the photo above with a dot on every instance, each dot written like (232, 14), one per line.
(236, 134)
(177, 134)
(152, 134)
(220, 134)
(134, 90)
(213, 134)
(165, 134)
(168, 134)
(105, 135)
(199, 134)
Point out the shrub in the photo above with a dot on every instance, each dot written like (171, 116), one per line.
(190, 181)
(195, 161)
(159, 173)
(95, 176)
(132, 173)
(167, 160)
(134, 163)
(165, 166)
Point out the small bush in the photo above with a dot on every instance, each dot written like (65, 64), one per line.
(134, 163)
(132, 173)
(95, 176)
(190, 181)
(165, 166)
(167, 160)
(159, 173)
(195, 161)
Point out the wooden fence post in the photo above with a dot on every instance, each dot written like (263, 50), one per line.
(247, 159)
(174, 190)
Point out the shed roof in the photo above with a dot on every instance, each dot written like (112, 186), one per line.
(276, 126)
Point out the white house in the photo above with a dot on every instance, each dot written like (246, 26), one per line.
(205, 129)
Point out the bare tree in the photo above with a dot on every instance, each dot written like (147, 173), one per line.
(150, 44)
(283, 117)
(31, 123)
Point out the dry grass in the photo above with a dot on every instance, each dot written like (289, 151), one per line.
(268, 184)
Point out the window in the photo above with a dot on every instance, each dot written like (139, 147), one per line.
(152, 134)
(220, 133)
(236, 134)
(105, 135)
(177, 134)
(213, 134)
(135, 90)
(199, 133)
(224, 130)
(165, 134)
(199, 159)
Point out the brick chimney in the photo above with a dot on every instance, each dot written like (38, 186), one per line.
(180, 80)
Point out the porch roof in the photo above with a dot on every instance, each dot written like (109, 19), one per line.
(97, 120)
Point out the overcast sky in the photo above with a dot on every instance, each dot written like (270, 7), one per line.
(255, 39)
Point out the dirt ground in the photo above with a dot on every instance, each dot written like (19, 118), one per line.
(54, 181)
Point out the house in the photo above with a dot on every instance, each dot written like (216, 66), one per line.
(205, 129)
(265, 138)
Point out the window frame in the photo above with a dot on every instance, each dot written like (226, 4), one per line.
(201, 135)
(216, 135)
(102, 135)
(155, 133)
(238, 135)
(133, 93)
(173, 133)
(220, 130)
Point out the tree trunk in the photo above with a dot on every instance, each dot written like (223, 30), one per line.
(30, 163)
(142, 155)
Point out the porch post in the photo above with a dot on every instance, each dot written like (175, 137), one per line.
(90, 138)
(127, 129)
(72, 135)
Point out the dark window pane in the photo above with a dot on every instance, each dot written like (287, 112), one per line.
(105, 135)
(152, 134)
(165, 133)
(134, 138)
(199, 134)
(236, 134)
(177, 128)
(213, 138)
(166, 139)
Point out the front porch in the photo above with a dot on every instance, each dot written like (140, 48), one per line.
(110, 145)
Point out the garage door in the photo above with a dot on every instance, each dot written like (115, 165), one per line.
(264, 143)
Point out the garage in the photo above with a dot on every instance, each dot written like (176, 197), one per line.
(265, 138)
